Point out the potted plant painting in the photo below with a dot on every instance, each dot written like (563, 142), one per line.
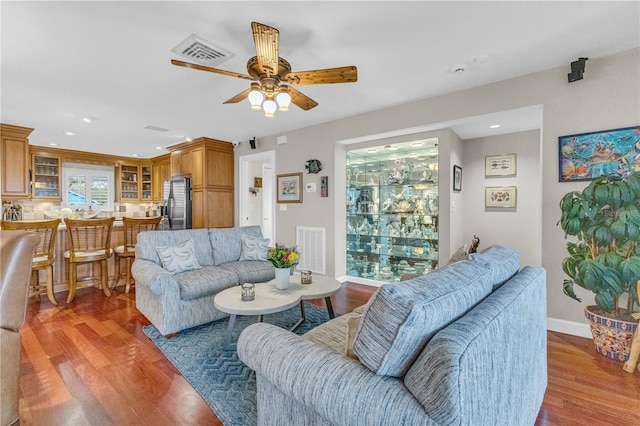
(602, 228)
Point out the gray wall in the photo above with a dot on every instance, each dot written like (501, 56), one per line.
(607, 98)
(518, 227)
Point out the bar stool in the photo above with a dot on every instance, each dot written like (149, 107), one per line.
(132, 226)
(43, 257)
(89, 241)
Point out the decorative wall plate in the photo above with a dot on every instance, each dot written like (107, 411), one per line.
(313, 166)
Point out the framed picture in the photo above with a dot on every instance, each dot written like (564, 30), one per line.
(290, 188)
(586, 156)
(500, 196)
(257, 182)
(500, 165)
(457, 178)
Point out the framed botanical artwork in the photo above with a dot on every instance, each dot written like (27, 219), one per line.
(257, 182)
(500, 196)
(586, 156)
(500, 165)
(457, 178)
(290, 188)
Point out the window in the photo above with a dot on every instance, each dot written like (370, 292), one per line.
(87, 185)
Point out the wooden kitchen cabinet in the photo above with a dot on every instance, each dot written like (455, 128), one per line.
(161, 171)
(46, 173)
(15, 161)
(181, 162)
(146, 182)
(210, 165)
(128, 185)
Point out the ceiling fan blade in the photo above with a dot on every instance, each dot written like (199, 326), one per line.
(266, 40)
(239, 97)
(327, 76)
(214, 70)
(301, 100)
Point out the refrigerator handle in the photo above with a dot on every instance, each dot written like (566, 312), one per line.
(167, 211)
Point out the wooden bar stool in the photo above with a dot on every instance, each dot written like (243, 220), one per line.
(44, 254)
(132, 226)
(89, 241)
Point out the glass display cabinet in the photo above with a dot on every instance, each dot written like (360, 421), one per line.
(392, 210)
(46, 177)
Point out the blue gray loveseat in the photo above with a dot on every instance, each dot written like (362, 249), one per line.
(465, 345)
(177, 301)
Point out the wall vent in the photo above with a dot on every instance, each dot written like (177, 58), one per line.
(311, 244)
(202, 51)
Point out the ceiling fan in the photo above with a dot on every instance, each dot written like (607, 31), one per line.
(271, 76)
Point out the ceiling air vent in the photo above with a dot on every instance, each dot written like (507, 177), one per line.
(202, 51)
(156, 128)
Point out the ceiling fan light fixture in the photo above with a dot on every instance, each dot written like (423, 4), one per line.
(255, 96)
(283, 98)
(269, 106)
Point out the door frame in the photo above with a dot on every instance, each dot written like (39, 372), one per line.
(245, 181)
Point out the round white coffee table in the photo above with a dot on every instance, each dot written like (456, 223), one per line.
(269, 300)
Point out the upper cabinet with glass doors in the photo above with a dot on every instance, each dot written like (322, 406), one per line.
(46, 174)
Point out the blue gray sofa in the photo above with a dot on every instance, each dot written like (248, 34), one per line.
(465, 345)
(174, 302)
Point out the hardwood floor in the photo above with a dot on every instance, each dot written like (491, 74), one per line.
(89, 363)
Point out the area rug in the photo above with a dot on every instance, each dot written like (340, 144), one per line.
(224, 382)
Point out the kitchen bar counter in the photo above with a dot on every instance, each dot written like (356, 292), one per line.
(85, 272)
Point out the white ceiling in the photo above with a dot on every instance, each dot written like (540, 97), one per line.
(62, 61)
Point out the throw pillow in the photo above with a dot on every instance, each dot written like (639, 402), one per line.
(254, 248)
(460, 254)
(176, 259)
(352, 327)
(400, 318)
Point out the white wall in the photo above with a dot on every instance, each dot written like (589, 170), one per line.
(254, 201)
(608, 97)
(519, 227)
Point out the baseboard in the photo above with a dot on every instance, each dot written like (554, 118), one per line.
(569, 327)
(359, 280)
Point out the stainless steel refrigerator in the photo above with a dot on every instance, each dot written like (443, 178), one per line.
(177, 203)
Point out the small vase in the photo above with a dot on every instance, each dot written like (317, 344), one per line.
(282, 278)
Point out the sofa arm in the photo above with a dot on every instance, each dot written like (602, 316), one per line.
(151, 275)
(337, 388)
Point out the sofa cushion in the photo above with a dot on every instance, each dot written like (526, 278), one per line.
(147, 241)
(203, 282)
(254, 248)
(251, 271)
(401, 317)
(176, 259)
(227, 242)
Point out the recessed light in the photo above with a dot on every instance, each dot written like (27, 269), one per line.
(134, 155)
(393, 157)
(53, 144)
(88, 119)
(70, 134)
(391, 147)
(416, 144)
(413, 155)
(494, 126)
(372, 151)
(358, 162)
(159, 147)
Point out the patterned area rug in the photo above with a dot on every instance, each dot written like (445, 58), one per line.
(224, 382)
